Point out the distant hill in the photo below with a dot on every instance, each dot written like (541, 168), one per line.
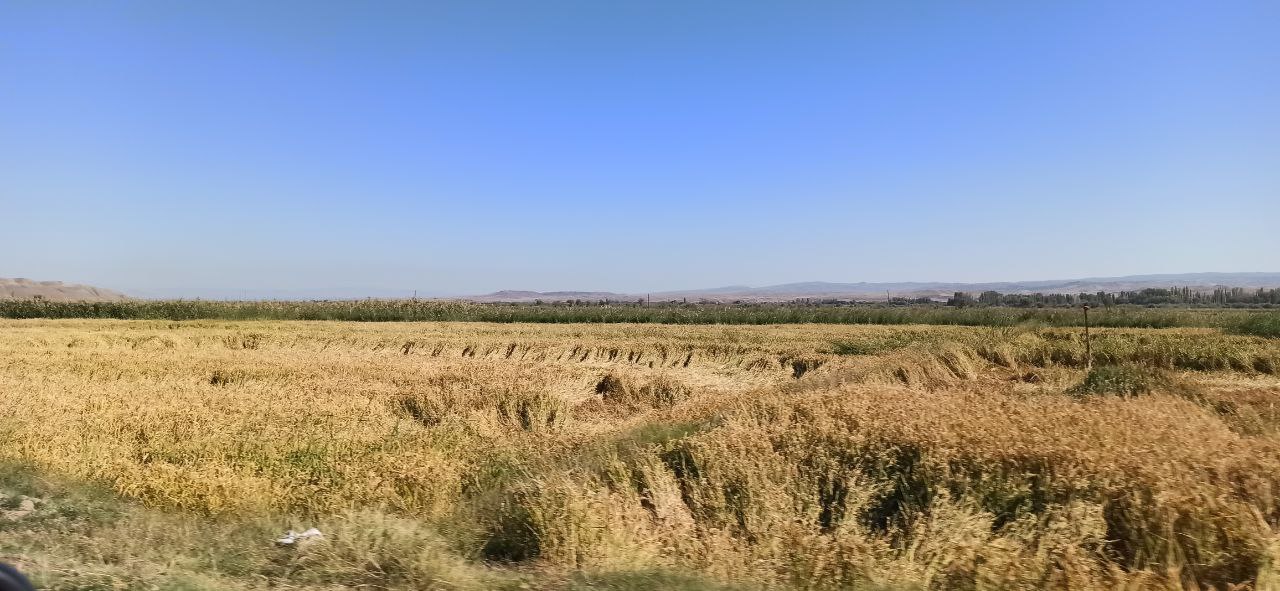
(55, 291)
(913, 289)
(511, 295)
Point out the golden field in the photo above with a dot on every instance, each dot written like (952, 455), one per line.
(162, 454)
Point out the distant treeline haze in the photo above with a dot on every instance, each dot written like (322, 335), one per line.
(1177, 296)
(1249, 321)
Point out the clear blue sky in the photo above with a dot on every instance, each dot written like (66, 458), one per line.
(465, 147)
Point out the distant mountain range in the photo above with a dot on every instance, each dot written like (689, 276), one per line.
(911, 289)
(59, 291)
(55, 291)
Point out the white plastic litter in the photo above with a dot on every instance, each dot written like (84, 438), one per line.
(292, 537)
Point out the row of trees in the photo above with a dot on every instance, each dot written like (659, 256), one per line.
(1177, 296)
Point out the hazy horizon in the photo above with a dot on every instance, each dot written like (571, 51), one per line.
(323, 292)
(465, 148)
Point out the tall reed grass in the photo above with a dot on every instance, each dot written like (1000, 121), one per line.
(1257, 322)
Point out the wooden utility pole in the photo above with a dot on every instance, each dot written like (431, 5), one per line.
(1088, 349)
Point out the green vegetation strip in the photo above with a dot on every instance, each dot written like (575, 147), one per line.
(1252, 322)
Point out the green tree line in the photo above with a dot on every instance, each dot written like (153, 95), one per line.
(1177, 296)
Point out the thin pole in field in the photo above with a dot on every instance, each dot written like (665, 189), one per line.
(1088, 346)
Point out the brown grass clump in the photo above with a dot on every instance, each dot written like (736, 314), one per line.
(660, 391)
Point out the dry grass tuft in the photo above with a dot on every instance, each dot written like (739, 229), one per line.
(660, 391)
